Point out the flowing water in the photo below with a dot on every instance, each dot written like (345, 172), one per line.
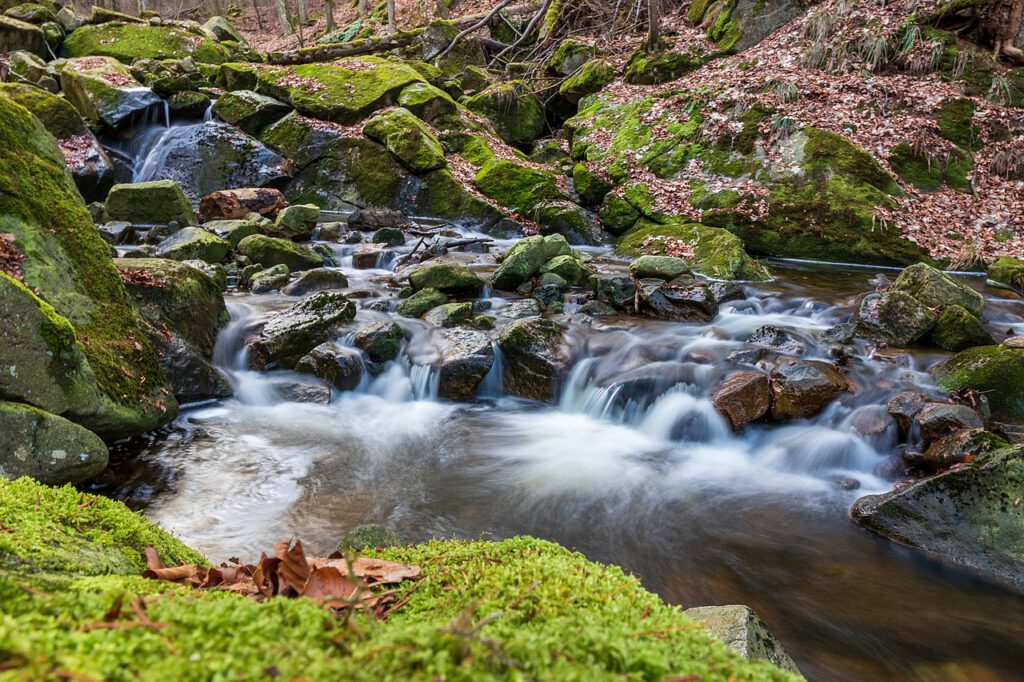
(632, 465)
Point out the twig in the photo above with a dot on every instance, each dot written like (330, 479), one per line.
(478, 25)
(526, 32)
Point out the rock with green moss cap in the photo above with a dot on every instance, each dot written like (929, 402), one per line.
(17, 35)
(1008, 271)
(104, 91)
(420, 302)
(71, 270)
(312, 281)
(441, 196)
(289, 335)
(452, 279)
(592, 187)
(932, 174)
(934, 289)
(297, 221)
(219, 28)
(536, 358)
(270, 279)
(717, 253)
(232, 230)
(617, 215)
(997, 372)
(449, 314)
(408, 138)
(191, 243)
(568, 219)
(957, 329)
(427, 101)
(514, 110)
(32, 13)
(158, 202)
(517, 187)
(46, 447)
(662, 66)
(659, 267)
(381, 341)
(183, 310)
(591, 78)
(569, 268)
(127, 42)
(521, 262)
(893, 317)
(189, 104)
(250, 111)
(962, 517)
(735, 25)
(271, 251)
(570, 55)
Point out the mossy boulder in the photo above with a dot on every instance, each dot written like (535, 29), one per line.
(521, 262)
(233, 231)
(127, 42)
(441, 196)
(514, 110)
(893, 317)
(536, 358)
(717, 253)
(957, 329)
(517, 187)
(570, 55)
(408, 138)
(318, 279)
(934, 289)
(420, 302)
(1008, 271)
(182, 309)
(659, 267)
(427, 102)
(662, 66)
(32, 13)
(270, 279)
(452, 279)
(194, 243)
(71, 270)
(250, 111)
(617, 215)
(569, 268)
(189, 104)
(381, 341)
(735, 25)
(104, 91)
(150, 203)
(966, 517)
(289, 335)
(219, 28)
(271, 251)
(997, 372)
(297, 221)
(46, 447)
(592, 187)
(591, 78)
(449, 314)
(343, 91)
(17, 35)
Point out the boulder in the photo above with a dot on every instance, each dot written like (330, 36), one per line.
(736, 25)
(958, 447)
(298, 221)
(1007, 271)
(427, 102)
(743, 631)
(128, 42)
(408, 138)
(46, 447)
(904, 407)
(804, 388)
(569, 268)
(367, 257)
(381, 341)
(997, 372)
(212, 156)
(966, 517)
(270, 279)
(466, 358)
(521, 262)
(303, 392)
(182, 310)
(957, 329)
(590, 79)
(194, 243)
(892, 317)
(150, 203)
(659, 267)
(420, 302)
(270, 251)
(682, 301)
(452, 279)
(289, 335)
(318, 279)
(104, 91)
(235, 204)
(617, 290)
(449, 314)
(770, 336)
(219, 28)
(514, 110)
(17, 35)
(341, 367)
(376, 218)
(389, 236)
(935, 289)
(535, 358)
(214, 271)
(743, 397)
(250, 111)
(233, 231)
(662, 66)
(938, 419)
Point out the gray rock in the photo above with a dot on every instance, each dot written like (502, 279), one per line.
(312, 281)
(743, 631)
(303, 392)
(693, 302)
(937, 419)
(194, 243)
(270, 279)
(893, 317)
(770, 336)
(536, 357)
(804, 388)
(291, 334)
(659, 267)
(296, 222)
(449, 314)
(466, 358)
(47, 447)
(340, 367)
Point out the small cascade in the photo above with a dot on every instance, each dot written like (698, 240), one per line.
(493, 385)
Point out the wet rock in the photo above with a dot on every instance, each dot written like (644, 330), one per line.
(250, 111)
(312, 281)
(937, 419)
(804, 388)
(104, 91)
(150, 203)
(957, 329)
(904, 407)
(659, 267)
(389, 236)
(958, 447)
(741, 630)
(893, 317)
(408, 138)
(935, 289)
(522, 307)
(997, 372)
(117, 232)
(214, 271)
(296, 222)
(332, 232)
(535, 358)
(366, 257)
(303, 392)
(194, 243)
(569, 268)
(381, 341)
(726, 291)
(770, 336)
(449, 314)
(521, 262)
(466, 358)
(270, 279)
(452, 279)
(743, 397)
(1008, 272)
(967, 517)
(692, 302)
(235, 204)
(341, 367)
(875, 425)
(597, 309)
(269, 251)
(420, 302)
(374, 218)
(46, 447)
(367, 536)
(291, 334)
(616, 290)
(232, 230)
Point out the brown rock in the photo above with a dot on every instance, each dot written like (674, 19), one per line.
(743, 397)
(937, 419)
(803, 389)
(234, 204)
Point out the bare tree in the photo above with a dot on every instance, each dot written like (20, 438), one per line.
(362, 8)
(329, 9)
(653, 25)
(283, 18)
(1004, 22)
(391, 16)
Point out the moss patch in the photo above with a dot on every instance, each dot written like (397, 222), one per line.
(128, 42)
(931, 174)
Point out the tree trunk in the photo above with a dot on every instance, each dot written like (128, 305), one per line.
(362, 8)
(653, 25)
(442, 9)
(259, 16)
(282, 17)
(391, 16)
(301, 13)
(329, 8)
(1004, 18)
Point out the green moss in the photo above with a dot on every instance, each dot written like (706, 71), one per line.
(957, 329)
(662, 66)
(270, 251)
(442, 196)
(929, 174)
(408, 138)
(956, 123)
(128, 42)
(570, 55)
(420, 302)
(59, 117)
(1008, 271)
(995, 371)
(513, 108)
(591, 186)
(590, 78)
(426, 101)
(717, 253)
(53, 327)
(517, 187)
(617, 215)
(725, 31)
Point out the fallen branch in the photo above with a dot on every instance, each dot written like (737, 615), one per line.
(474, 27)
(526, 32)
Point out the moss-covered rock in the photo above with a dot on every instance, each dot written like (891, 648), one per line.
(662, 66)
(935, 289)
(427, 101)
(420, 302)
(297, 221)
(219, 28)
(270, 279)
(536, 359)
(995, 371)
(127, 42)
(569, 268)
(592, 187)
(232, 230)
(957, 329)
(289, 335)
(717, 253)
(104, 91)
(1008, 271)
(32, 13)
(270, 251)
(408, 138)
(46, 447)
(514, 110)
(150, 203)
(521, 262)
(590, 78)
(250, 111)
(735, 25)
(194, 243)
(189, 104)
(452, 279)
(70, 269)
(893, 317)
(932, 174)
(16, 35)
(519, 188)
(659, 267)
(617, 215)
(441, 196)
(956, 123)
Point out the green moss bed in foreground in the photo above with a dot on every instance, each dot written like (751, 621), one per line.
(519, 609)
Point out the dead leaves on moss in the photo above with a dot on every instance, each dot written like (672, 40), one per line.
(334, 582)
(10, 257)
